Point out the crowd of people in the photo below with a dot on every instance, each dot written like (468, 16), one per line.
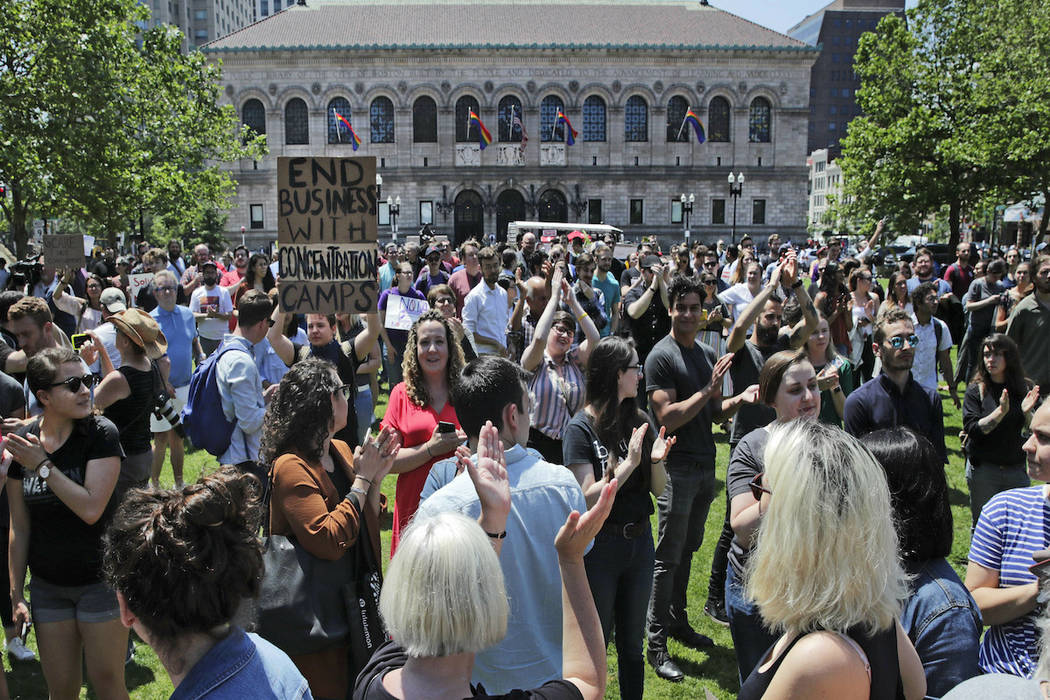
(546, 406)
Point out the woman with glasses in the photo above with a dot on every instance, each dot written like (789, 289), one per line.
(394, 339)
(88, 312)
(322, 491)
(865, 308)
(443, 298)
(611, 439)
(421, 413)
(61, 483)
(788, 384)
(825, 573)
(557, 366)
(997, 410)
(1023, 286)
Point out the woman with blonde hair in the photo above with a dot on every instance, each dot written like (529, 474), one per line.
(421, 412)
(825, 571)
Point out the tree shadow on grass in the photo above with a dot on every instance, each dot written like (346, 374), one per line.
(719, 665)
(957, 497)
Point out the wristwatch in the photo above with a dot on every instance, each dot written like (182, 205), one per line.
(44, 471)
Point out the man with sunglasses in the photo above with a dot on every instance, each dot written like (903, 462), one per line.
(894, 397)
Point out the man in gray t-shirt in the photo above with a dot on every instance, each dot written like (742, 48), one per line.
(982, 304)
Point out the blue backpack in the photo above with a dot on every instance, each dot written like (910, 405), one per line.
(206, 425)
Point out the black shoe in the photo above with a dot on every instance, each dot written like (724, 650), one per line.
(664, 666)
(716, 610)
(691, 638)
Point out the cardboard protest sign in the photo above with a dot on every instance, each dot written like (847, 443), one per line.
(138, 283)
(64, 250)
(326, 228)
(402, 312)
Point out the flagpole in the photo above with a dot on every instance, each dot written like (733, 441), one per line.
(683, 123)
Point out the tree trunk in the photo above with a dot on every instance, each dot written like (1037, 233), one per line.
(19, 213)
(954, 213)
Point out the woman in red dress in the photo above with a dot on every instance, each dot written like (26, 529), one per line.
(432, 362)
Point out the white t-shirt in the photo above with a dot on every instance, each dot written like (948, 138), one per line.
(737, 298)
(924, 368)
(214, 299)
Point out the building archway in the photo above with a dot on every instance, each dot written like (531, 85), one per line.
(553, 207)
(510, 206)
(469, 217)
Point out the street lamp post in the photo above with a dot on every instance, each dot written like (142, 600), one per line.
(735, 192)
(687, 209)
(395, 208)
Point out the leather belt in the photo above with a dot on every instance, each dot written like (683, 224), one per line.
(627, 530)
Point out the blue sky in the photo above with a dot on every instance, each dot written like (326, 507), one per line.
(780, 15)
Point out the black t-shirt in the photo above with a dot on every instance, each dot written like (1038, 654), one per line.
(369, 685)
(580, 445)
(344, 357)
(629, 275)
(131, 414)
(1002, 444)
(652, 325)
(747, 363)
(616, 267)
(12, 396)
(687, 371)
(63, 549)
(746, 461)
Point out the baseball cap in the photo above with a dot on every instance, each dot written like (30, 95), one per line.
(649, 261)
(577, 234)
(112, 300)
(208, 263)
(432, 250)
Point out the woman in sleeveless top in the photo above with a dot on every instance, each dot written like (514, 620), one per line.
(825, 572)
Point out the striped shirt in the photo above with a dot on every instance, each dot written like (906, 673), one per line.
(557, 394)
(1012, 526)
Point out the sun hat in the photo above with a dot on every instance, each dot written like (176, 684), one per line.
(142, 330)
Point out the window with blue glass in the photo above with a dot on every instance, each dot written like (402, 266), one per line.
(509, 106)
(549, 108)
(465, 131)
(758, 125)
(677, 132)
(382, 117)
(636, 119)
(296, 123)
(718, 120)
(594, 119)
(338, 132)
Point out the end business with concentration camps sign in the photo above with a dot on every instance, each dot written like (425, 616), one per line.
(326, 218)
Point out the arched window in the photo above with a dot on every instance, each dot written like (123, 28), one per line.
(509, 106)
(338, 132)
(382, 117)
(758, 121)
(465, 131)
(296, 123)
(594, 118)
(253, 114)
(424, 120)
(549, 108)
(718, 120)
(676, 109)
(636, 119)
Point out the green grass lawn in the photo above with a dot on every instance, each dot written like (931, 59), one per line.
(714, 670)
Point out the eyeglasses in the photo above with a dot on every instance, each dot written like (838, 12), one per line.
(636, 368)
(709, 283)
(897, 341)
(345, 390)
(404, 272)
(564, 331)
(757, 489)
(74, 383)
(711, 264)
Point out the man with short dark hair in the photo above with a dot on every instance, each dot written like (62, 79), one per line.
(604, 280)
(486, 310)
(592, 301)
(542, 495)
(212, 306)
(646, 306)
(894, 397)
(1029, 326)
(982, 303)
(935, 342)
(466, 278)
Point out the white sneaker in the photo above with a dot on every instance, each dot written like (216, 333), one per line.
(18, 651)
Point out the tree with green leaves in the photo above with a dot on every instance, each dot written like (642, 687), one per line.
(103, 123)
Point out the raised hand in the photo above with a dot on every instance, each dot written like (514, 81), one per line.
(789, 269)
(1028, 403)
(750, 394)
(719, 370)
(578, 531)
(1004, 402)
(489, 476)
(662, 446)
(828, 378)
(634, 446)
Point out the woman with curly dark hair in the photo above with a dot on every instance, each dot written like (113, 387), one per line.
(611, 439)
(321, 490)
(181, 560)
(421, 413)
(257, 276)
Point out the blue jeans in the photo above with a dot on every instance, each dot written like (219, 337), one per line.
(363, 409)
(620, 572)
(682, 511)
(750, 639)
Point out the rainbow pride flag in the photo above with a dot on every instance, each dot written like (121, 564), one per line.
(484, 137)
(355, 140)
(691, 118)
(570, 133)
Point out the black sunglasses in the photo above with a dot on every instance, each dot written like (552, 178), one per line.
(757, 489)
(74, 383)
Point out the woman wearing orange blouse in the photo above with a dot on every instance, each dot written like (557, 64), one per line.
(321, 490)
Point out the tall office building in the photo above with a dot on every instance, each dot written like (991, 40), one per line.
(833, 84)
(265, 8)
(202, 21)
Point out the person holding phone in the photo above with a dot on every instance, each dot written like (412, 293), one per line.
(417, 407)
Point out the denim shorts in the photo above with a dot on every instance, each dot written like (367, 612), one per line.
(95, 602)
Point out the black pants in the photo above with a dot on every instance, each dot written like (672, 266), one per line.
(547, 446)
